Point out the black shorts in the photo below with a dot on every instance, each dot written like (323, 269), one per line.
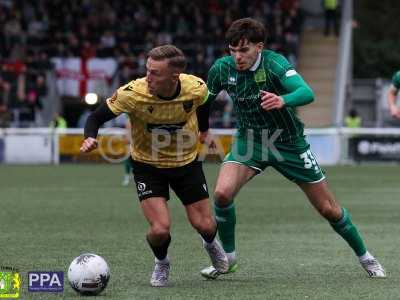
(188, 182)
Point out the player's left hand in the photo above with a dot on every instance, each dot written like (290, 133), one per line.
(206, 138)
(271, 101)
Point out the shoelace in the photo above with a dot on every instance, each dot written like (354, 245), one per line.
(372, 263)
(373, 267)
(161, 271)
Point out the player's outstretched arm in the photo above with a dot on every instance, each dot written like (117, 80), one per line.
(392, 97)
(203, 114)
(97, 118)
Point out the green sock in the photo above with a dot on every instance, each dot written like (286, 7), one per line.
(127, 166)
(347, 230)
(226, 221)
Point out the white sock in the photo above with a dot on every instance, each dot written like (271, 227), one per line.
(231, 256)
(162, 261)
(366, 256)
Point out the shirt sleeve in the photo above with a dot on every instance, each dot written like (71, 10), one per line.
(214, 82)
(396, 80)
(121, 101)
(298, 92)
(203, 92)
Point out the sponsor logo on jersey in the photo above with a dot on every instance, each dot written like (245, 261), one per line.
(250, 97)
(171, 128)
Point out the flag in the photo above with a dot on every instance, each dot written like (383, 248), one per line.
(76, 77)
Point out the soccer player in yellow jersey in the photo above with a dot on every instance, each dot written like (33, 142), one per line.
(164, 108)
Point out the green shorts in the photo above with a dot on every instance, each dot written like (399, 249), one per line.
(294, 160)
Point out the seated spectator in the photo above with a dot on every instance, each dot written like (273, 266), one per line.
(353, 120)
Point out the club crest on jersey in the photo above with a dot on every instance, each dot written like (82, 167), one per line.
(188, 105)
(260, 75)
(128, 88)
(150, 109)
(232, 80)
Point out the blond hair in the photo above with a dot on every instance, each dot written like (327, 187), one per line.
(175, 56)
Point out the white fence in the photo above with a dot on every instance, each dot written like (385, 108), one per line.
(331, 146)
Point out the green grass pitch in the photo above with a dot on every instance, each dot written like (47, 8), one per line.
(51, 214)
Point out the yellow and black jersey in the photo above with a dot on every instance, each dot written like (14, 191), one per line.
(165, 131)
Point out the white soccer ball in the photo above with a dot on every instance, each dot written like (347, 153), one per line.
(88, 274)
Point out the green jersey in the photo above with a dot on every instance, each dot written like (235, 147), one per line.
(271, 73)
(396, 80)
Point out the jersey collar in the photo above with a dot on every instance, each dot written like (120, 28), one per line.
(256, 64)
(178, 91)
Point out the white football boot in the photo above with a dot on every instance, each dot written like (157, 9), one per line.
(159, 278)
(212, 273)
(219, 260)
(373, 268)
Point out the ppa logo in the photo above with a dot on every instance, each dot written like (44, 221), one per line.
(46, 281)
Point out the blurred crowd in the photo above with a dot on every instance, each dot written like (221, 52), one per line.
(33, 31)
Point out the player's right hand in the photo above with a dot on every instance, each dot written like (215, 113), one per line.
(88, 145)
(395, 111)
(206, 138)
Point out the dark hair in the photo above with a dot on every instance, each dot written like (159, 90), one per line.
(175, 56)
(247, 28)
(353, 113)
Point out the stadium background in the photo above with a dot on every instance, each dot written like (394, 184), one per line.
(54, 53)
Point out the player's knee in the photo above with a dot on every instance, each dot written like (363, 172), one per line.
(222, 196)
(204, 225)
(330, 212)
(159, 231)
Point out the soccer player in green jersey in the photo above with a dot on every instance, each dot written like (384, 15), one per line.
(392, 96)
(265, 90)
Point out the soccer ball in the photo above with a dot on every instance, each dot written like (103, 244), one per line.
(88, 274)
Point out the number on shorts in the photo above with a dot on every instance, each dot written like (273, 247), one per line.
(309, 160)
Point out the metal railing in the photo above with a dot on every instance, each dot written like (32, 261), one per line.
(343, 69)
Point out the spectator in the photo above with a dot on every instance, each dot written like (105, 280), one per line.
(4, 98)
(353, 120)
(127, 30)
(331, 17)
(58, 122)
